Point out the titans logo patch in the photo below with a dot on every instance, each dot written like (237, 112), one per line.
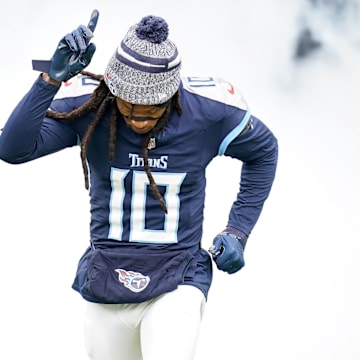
(134, 281)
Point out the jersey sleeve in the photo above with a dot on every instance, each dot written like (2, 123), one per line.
(240, 135)
(236, 118)
(28, 134)
(257, 147)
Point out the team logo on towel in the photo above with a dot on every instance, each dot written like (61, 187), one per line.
(132, 280)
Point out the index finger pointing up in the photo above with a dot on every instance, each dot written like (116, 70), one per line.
(93, 20)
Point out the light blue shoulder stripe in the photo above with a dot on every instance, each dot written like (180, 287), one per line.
(234, 133)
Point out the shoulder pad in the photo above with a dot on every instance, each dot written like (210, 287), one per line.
(215, 88)
(77, 86)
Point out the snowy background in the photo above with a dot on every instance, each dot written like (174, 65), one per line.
(298, 65)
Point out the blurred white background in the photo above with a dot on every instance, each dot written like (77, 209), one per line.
(298, 296)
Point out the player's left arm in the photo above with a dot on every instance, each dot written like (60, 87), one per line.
(257, 148)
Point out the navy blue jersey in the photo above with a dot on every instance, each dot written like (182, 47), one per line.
(215, 121)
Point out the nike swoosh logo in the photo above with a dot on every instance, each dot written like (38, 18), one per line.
(231, 90)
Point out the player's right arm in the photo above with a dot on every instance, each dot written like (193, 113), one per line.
(28, 134)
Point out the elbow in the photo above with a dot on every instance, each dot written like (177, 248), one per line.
(273, 150)
(9, 157)
(4, 156)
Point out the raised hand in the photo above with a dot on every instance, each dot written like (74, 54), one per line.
(73, 53)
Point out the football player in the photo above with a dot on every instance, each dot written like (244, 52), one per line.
(146, 135)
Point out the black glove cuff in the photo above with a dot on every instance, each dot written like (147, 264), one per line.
(237, 233)
(41, 65)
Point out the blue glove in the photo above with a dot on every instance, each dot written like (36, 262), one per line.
(73, 54)
(228, 251)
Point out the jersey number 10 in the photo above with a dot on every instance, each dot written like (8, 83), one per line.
(140, 183)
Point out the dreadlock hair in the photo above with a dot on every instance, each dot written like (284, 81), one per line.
(103, 101)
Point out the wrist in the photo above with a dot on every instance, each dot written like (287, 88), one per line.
(49, 80)
(237, 233)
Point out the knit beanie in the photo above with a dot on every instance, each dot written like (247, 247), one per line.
(145, 68)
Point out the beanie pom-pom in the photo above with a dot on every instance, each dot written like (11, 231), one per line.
(153, 29)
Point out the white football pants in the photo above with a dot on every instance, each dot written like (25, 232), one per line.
(164, 328)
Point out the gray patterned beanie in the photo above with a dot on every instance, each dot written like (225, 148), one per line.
(145, 68)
